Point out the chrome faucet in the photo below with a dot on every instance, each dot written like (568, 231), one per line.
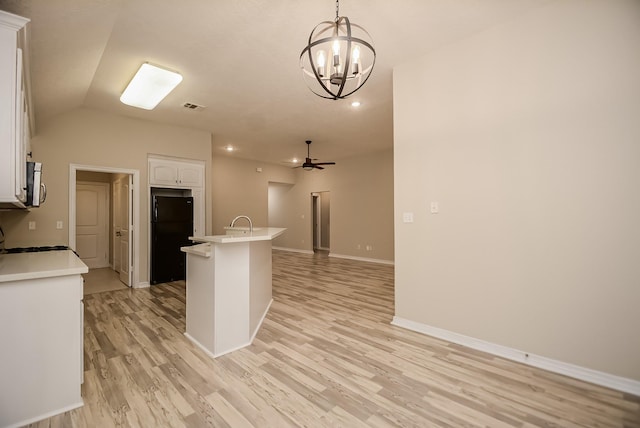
(242, 216)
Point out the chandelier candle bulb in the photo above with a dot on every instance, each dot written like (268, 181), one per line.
(336, 53)
(321, 62)
(356, 59)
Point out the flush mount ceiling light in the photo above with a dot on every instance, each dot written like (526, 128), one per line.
(338, 59)
(149, 86)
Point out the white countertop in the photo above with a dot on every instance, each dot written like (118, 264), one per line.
(46, 264)
(258, 234)
(203, 250)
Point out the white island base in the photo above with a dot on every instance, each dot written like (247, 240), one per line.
(228, 289)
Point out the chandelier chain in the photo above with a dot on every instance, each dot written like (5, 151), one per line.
(337, 10)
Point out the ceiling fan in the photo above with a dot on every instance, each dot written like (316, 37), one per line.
(308, 163)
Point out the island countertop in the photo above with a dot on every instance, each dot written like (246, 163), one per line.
(46, 264)
(242, 235)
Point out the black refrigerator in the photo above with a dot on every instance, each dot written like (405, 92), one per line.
(171, 226)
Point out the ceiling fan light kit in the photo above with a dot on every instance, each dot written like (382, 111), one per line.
(309, 164)
(338, 58)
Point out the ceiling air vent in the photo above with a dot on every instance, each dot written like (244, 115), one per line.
(192, 106)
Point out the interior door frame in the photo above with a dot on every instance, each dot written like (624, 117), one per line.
(134, 203)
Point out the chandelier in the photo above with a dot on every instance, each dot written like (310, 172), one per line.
(338, 59)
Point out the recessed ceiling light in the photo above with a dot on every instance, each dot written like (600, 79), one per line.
(355, 104)
(229, 148)
(149, 86)
(294, 160)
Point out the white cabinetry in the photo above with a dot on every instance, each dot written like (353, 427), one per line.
(185, 176)
(175, 174)
(14, 117)
(41, 335)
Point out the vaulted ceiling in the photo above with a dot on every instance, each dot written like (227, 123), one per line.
(240, 59)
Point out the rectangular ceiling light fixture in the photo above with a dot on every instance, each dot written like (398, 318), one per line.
(149, 86)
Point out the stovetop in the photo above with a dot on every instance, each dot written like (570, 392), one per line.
(35, 249)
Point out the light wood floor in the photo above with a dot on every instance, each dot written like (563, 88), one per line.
(326, 356)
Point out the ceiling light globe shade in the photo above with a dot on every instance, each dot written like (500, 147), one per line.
(338, 58)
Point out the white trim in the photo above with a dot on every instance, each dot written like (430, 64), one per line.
(619, 383)
(142, 284)
(12, 21)
(362, 259)
(46, 415)
(73, 168)
(292, 250)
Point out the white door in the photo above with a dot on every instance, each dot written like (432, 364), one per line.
(92, 205)
(122, 221)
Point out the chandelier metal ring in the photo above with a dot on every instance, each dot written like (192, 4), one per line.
(353, 56)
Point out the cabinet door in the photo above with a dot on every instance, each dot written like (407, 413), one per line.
(163, 172)
(21, 146)
(190, 175)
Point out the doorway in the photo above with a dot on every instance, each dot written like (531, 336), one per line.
(122, 216)
(321, 202)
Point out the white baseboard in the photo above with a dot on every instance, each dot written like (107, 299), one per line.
(362, 259)
(619, 383)
(142, 284)
(293, 250)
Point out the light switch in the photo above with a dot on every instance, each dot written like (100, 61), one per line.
(435, 207)
(407, 217)
(58, 225)
(32, 225)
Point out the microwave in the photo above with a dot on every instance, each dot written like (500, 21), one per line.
(36, 189)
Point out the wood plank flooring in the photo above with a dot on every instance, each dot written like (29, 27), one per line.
(326, 356)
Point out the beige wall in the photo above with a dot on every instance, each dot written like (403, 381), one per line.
(90, 137)
(239, 189)
(528, 137)
(361, 201)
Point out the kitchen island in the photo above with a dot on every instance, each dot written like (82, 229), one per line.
(228, 288)
(41, 319)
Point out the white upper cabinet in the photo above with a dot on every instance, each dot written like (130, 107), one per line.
(14, 111)
(184, 175)
(175, 174)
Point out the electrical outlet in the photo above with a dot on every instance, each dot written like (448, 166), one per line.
(369, 247)
(32, 225)
(435, 207)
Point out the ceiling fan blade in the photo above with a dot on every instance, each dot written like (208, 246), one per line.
(317, 167)
(324, 163)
